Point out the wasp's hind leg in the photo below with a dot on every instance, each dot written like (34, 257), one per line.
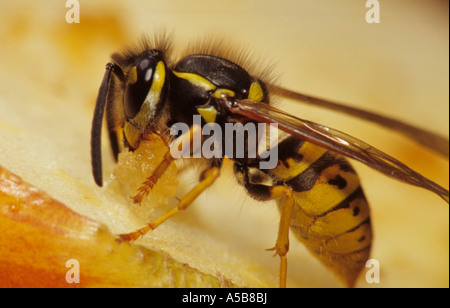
(264, 192)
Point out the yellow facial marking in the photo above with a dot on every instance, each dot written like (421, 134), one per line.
(256, 92)
(209, 114)
(132, 75)
(196, 80)
(132, 134)
(149, 106)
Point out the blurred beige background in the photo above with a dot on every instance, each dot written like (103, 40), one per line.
(50, 72)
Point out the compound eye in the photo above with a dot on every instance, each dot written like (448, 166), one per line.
(139, 82)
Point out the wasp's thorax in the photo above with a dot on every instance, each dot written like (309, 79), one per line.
(197, 81)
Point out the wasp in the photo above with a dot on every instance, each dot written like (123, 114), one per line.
(318, 193)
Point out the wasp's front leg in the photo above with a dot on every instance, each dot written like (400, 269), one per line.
(207, 179)
(150, 182)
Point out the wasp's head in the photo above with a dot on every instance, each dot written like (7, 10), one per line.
(144, 91)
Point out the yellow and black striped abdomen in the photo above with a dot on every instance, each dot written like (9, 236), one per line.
(331, 214)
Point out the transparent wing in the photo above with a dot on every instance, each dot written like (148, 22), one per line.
(335, 141)
(428, 139)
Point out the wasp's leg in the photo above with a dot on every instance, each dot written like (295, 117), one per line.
(208, 177)
(282, 244)
(168, 158)
(150, 182)
(284, 196)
